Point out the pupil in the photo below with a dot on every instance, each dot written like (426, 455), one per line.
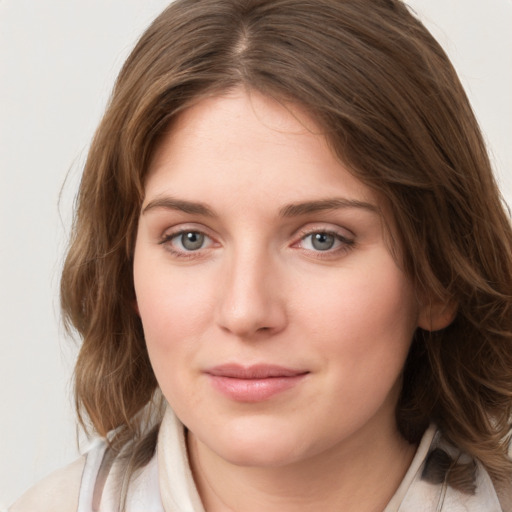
(322, 241)
(192, 240)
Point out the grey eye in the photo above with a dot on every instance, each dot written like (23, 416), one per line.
(191, 240)
(322, 241)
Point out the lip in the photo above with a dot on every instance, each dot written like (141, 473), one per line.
(255, 383)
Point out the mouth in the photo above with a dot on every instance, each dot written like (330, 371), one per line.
(255, 383)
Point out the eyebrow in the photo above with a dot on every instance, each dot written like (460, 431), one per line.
(290, 210)
(297, 209)
(171, 203)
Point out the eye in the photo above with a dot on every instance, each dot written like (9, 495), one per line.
(325, 241)
(186, 241)
(321, 241)
(190, 240)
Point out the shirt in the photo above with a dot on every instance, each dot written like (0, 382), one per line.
(440, 479)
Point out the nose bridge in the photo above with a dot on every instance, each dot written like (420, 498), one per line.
(250, 300)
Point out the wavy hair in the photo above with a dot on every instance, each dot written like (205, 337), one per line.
(394, 111)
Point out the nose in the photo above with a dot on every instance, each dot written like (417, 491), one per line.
(251, 301)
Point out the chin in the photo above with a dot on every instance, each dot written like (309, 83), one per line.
(260, 455)
(253, 447)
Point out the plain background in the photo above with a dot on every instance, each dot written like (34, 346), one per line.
(58, 61)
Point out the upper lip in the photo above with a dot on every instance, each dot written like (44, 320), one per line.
(257, 371)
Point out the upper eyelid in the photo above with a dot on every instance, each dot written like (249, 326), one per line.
(298, 234)
(339, 237)
(324, 227)
(184, 227)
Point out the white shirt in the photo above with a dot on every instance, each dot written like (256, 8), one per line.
(166, 484)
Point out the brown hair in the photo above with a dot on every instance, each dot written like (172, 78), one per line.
(395, 112)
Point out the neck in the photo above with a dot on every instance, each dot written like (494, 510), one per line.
(360, 474)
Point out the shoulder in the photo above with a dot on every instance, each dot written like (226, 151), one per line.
(58, 492)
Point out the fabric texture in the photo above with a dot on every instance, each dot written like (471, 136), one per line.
(440, 479)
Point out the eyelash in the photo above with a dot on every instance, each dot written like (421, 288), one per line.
(345, 244)
(184, 254)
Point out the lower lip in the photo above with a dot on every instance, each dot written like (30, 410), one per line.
(254, 390)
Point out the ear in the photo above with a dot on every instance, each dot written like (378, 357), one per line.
(435, 316)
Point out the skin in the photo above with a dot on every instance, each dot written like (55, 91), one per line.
(250, 286)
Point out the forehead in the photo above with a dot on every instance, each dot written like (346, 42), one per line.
(236, 114)
(246, 138)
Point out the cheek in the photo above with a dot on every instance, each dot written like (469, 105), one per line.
(174, 314)
(369, 314)
(168, 297)
(175, 308)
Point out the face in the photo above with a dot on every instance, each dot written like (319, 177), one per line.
(276, 319)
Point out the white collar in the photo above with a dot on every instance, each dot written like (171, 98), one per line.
(179, 493)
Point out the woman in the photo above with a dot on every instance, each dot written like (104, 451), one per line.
(291, 270)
